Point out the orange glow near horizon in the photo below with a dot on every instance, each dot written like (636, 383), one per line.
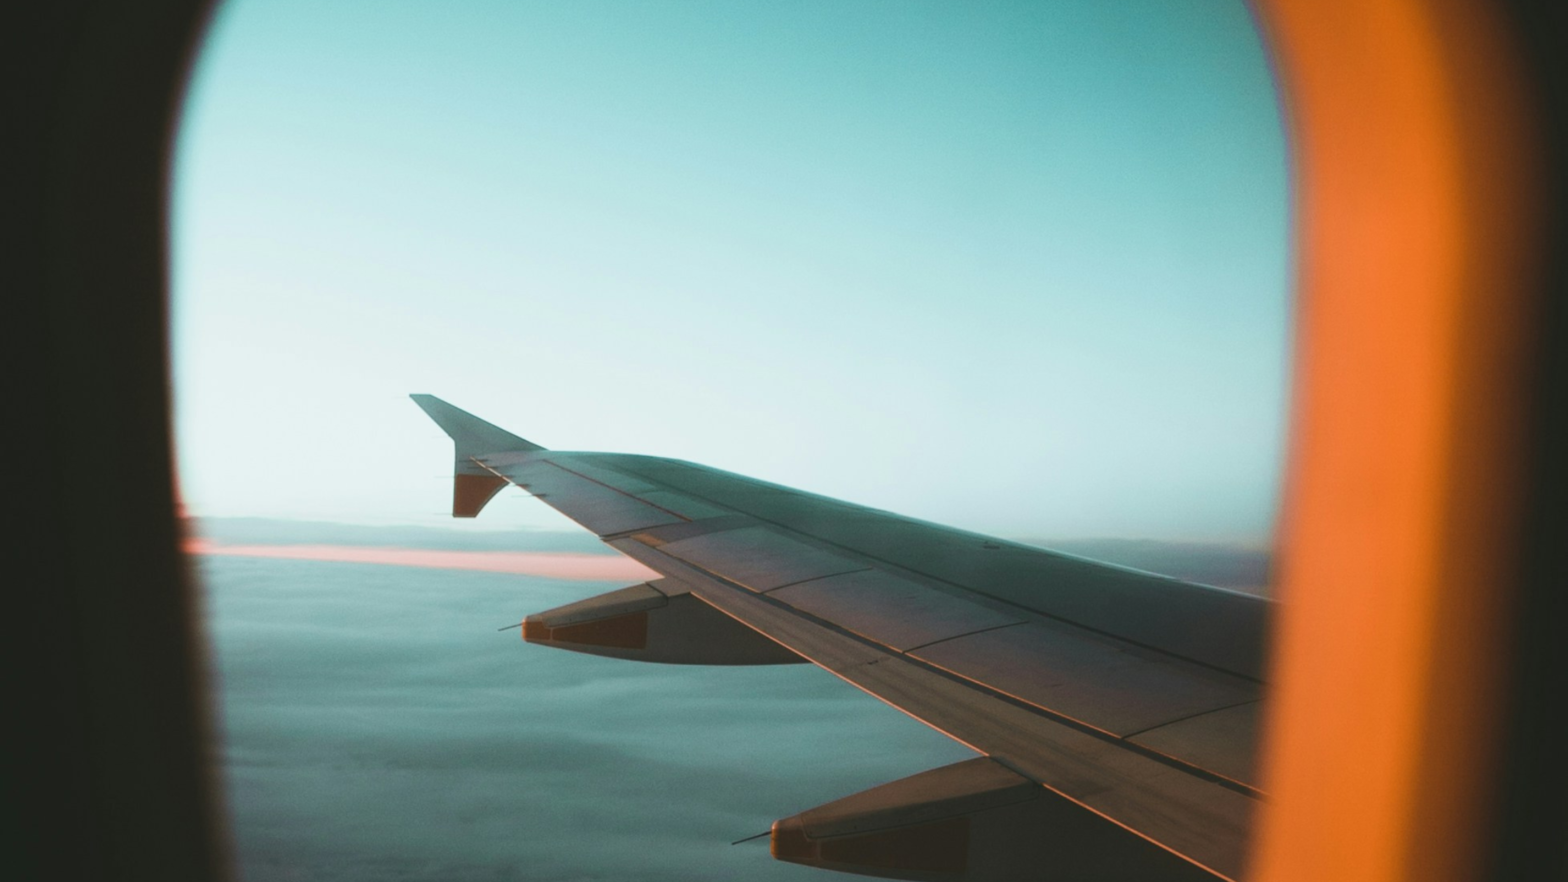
(545, 564)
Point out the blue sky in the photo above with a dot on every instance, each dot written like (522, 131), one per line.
(1017, 267)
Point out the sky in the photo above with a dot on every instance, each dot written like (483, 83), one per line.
(1020, 268)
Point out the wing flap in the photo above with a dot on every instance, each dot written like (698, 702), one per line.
(1089, 678)
(1220, 741)
(1191, 815)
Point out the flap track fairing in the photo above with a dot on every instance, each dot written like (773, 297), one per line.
(974, 821)
(658, 621)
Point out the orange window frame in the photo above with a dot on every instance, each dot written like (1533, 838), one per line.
(1412, 164)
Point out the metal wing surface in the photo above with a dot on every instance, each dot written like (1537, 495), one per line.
(1117, 710)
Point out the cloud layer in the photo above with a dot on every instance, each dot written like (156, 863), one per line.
(377, 727)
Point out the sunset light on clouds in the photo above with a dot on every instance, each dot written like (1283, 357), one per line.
(547, 564)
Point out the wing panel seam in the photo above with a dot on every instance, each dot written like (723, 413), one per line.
(630, 496)
(899, 568)
(991, 691)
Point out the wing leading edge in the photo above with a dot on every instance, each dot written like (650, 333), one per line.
(1127, 702)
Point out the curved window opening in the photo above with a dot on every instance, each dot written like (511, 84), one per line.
(1021, 270)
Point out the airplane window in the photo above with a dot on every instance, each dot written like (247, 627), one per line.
(1019, 269)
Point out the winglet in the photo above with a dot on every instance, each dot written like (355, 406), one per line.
(472, 484)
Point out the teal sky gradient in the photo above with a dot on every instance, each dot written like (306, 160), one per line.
(1016, 267)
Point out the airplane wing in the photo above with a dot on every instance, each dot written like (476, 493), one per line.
(1116, 710)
